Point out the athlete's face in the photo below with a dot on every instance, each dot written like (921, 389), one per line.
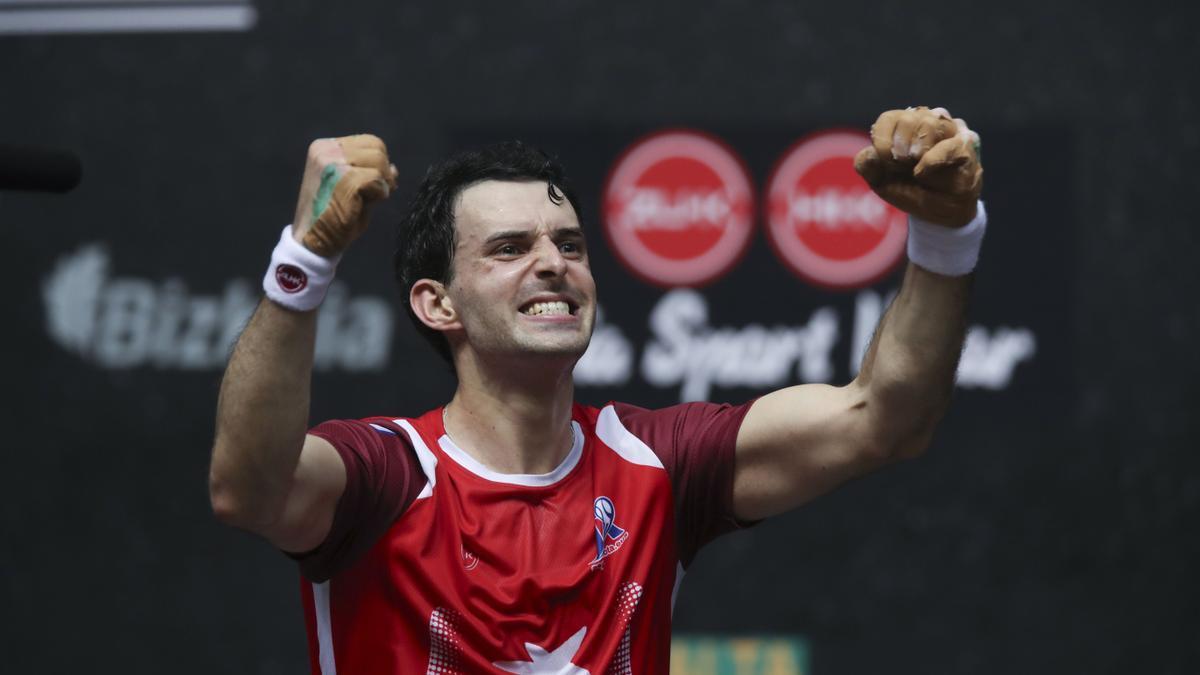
(521, 283)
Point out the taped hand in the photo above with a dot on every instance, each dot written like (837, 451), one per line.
(925, 163)
(342, 178)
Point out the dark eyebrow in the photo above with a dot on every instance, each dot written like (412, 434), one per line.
(524, 234)
(507, 234)
(569, 232)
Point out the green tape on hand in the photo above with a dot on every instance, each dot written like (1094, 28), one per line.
(329, 178)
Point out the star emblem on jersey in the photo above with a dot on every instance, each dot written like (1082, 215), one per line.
(557, 662)
(609, 536)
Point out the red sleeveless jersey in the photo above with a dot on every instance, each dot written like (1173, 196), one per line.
(436, 564)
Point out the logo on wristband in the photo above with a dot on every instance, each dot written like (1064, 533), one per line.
(291, 279)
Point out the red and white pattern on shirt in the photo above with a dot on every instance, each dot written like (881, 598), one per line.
(631, 595)
(403, 597)
(445, 647)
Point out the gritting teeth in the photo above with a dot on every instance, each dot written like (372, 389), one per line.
(548, 308)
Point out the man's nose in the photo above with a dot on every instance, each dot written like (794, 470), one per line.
(549, 260)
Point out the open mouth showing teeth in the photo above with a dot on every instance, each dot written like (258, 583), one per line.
(549, 309)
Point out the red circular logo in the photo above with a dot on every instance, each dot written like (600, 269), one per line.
(678, 209)
(825, 222)
(291, 279)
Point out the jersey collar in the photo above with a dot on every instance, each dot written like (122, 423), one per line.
(525, 479)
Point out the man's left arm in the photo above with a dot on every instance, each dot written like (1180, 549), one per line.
(800, 442)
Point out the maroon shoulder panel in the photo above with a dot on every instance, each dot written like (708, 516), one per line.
(383, 477)
(695, 442)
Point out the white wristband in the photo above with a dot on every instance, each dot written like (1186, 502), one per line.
(297, 277)
(952, 251)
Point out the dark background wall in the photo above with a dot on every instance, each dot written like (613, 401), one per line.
(1052, 527)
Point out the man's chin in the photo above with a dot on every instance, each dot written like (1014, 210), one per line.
(541, 349)
(555, 351)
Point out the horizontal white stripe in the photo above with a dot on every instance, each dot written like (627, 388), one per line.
(631, 448)
(527, 479)
(127, 20)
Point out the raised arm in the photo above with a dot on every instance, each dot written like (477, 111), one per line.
(798, 443)
(267, 475)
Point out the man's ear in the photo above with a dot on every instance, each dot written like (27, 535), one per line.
(432, 306)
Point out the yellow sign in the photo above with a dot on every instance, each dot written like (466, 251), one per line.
(710, 655)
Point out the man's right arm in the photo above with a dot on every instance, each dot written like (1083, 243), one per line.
(267, 476)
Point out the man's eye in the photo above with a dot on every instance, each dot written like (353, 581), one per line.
(570, 247)
(508, 249)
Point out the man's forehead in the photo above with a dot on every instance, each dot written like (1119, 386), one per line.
(493, 204)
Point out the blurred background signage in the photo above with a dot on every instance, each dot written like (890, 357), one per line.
(714, 655)
(42, 17)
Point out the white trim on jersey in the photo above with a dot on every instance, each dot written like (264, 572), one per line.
(324, 628)
(425, 456)
(527, 479)
(632, 449)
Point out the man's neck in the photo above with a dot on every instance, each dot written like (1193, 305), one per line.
(514, 420)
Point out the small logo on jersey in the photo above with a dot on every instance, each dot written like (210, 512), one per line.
(823, 220)
(609, 536)
(678, 209)
(470, 560)
(291, 279)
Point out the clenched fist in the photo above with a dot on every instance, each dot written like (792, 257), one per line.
(925, 163)
(342, 178)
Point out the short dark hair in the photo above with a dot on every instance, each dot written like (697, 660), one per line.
(425, 238)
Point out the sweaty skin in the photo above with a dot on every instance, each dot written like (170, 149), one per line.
(515, 247)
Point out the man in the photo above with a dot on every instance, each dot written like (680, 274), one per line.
(513, 530)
